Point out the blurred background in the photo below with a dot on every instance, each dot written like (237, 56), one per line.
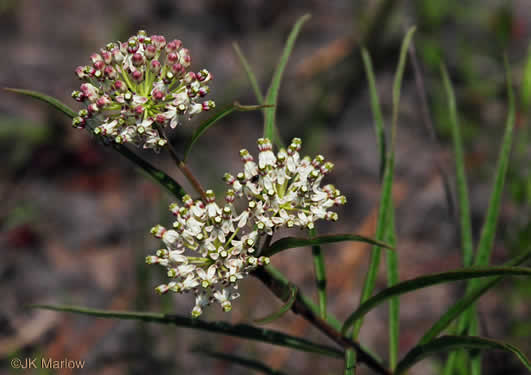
(75, 217)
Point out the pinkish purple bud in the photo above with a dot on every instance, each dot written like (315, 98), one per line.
(110, 72)
(137, 59)
(150, 51)
(99, 65)
(132, 45)
(155, 66)
(157, 95)
(160, 119)
(80, 72)
(203, 91)
(189, 77)
(120, 86)
(102, 101)
(173, 46)
(172, 57)
(107, 56)
(177, 69)
(117, 55)
(137, 76)
(95, 58)
(159, 41)
(93, 108)
(184, 57)
(139, 110)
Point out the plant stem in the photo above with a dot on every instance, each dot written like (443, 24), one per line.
(184, 168)
(300, 307)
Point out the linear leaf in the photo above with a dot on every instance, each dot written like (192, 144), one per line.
(218, 116)
(462, 187)
(376, 109)
(250, 74)
(450, 343)
(238, 330)
(429, 280)
(272, 92)
(293, 242)
(277, 314)
(251, 364)
(56, 103)
(386, 206)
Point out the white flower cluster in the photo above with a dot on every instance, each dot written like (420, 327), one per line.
(281, 190)
(133, 89)
(223, 242)
(285, 189)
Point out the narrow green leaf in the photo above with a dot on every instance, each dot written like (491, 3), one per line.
(251, 364)
(320, 276)
(488, 231)
(218, 116)
(450, 343)
(526, 83)
(429, 280)
(392, 279)
(238, 330)
(272, 92)
(277, 314)
(386, 205)
(462, 187)
(250, 74)
(294, 242)
(47, 99)
(376, 109)
(467, 300)
(489, 227)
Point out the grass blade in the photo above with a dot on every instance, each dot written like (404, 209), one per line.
(526, 84)
(386, 206)
(375, 108)
(56, 103)
(277, 314)
(245, 362)
(294, 242)
(238, 330)
(272, 92)
(430, 280)
(466, 301)
(392, 279)
(218, 116)
(450, 343)
(320, 276)
(462, 186)
(250, 74)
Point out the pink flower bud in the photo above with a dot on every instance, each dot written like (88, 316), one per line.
(80, 72)
(117, 55)
(132, 45)
(155, 66)
(177, 69)
(120, 86)
(137, 59)
(139, 110)
(110, 72)
(107, 56)
(172, 57)
(99, 65)
(137, 75)
(160, 119)
(150, 51)
(159, 41)
(95, 58)
(157, 95)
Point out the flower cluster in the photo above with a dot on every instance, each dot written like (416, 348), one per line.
(210, 247)
(224, 244)
(134, 89)
(285, 189)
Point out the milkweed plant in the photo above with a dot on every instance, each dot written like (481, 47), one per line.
(133, 94)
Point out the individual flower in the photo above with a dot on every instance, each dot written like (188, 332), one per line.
(132, 90)
(205, 253)
(284, 190)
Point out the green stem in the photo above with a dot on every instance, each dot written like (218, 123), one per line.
(320, 276)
